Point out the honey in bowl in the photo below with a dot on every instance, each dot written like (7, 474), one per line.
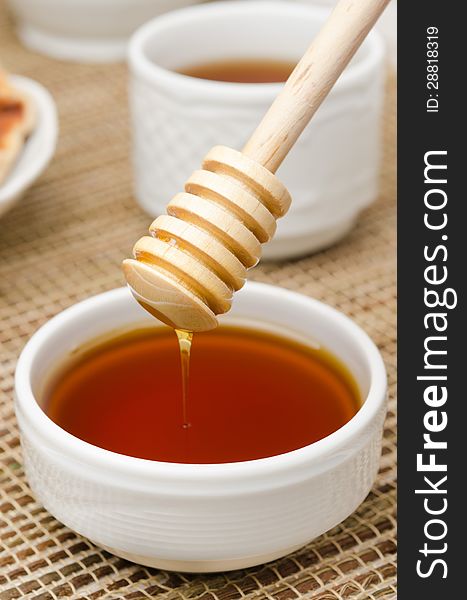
(242, 70)
(252, 394)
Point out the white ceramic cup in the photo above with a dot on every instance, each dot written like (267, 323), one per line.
(332, 172)
(85, 30)
(206, 517)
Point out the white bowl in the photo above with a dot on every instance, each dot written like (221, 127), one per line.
(332, 172)
(39, 147)
(85, 30)
(206, 517)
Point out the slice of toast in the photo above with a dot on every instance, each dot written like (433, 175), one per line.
(17, 121)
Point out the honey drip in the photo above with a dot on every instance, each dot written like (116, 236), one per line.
(185, 339)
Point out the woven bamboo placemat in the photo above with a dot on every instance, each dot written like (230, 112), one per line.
(65, 241)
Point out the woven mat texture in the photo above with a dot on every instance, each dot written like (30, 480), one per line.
(63, 242)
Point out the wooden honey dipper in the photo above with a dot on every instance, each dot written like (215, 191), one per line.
(198, 254)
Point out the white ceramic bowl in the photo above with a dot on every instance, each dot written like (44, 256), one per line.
(213, 516)
(39, 147)
(85, 30)
(332, 172)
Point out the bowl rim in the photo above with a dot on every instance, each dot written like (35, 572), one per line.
(140, 64)
(47, 124)
(85, 452)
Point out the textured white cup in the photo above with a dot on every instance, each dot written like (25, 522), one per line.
(85, 30)
(202, 517)
(332, 172)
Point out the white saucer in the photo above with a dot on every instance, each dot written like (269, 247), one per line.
(39, 147)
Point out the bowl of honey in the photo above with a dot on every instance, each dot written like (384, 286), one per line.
(272, 437)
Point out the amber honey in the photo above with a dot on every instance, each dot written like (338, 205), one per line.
(242, 70)
(251, 394)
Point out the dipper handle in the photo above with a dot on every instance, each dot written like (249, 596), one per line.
(312, 79)
(186, 271)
